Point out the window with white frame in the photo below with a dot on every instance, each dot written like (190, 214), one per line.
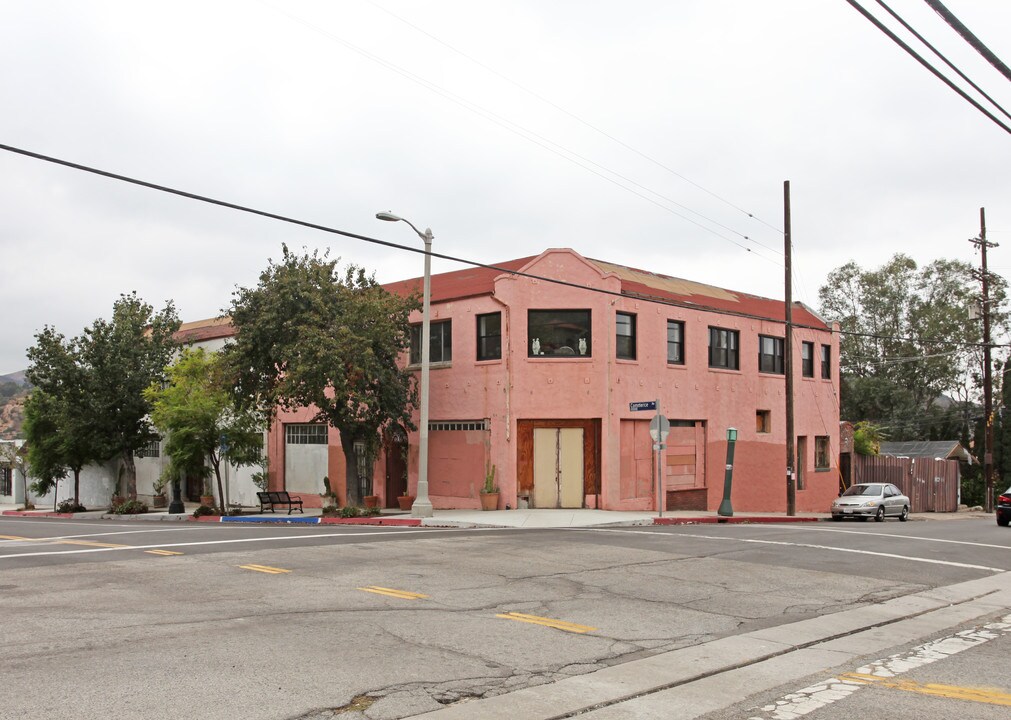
(441, 343)
(675, 342)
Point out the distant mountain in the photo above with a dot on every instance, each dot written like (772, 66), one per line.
(18, 378)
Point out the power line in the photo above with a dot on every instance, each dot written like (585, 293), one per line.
(898, 41)
(543, 142)
(947, 62)
(572, 115)
(967, 35)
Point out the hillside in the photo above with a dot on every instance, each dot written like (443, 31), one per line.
(13, 391)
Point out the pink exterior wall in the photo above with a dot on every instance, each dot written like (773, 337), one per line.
(517, 387)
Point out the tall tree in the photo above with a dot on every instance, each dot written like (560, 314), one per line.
(58, 428)
(124, 356)
(907, 341)
(311, 336)
(195, 408)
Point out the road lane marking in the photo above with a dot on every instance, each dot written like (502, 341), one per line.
(162, 552)
(401, 594)
(989, 696)
(13, 537)
(432, 532)
(90, 543)
(814, 697)
(265, 569)
(832, 548)
(548, 622)
(896, 536)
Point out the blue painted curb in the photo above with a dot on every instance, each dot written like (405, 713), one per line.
(281, 520)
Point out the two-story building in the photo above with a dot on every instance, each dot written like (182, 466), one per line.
(534, 365)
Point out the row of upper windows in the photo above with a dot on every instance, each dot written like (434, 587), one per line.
(566, 333)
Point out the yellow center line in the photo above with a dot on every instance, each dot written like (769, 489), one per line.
(549, 622)
(989, 696)
(265, 569)
(13, 537)
(401, 594)
(89, 543)
(162, 552)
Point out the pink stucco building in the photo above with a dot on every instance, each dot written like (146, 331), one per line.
(535, 378)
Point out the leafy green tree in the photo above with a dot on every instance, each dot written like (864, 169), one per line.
(60, 435)
(311, 336)
(907, 341)
(16, 458)
(124, 356)
(866, 438)
(195, 408)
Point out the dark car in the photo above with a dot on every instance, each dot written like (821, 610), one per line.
(1004, 508)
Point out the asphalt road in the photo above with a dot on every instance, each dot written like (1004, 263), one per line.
(105, 617)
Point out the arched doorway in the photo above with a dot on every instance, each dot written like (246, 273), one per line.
(396, 464)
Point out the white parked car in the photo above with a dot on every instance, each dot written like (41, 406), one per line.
(877, 500)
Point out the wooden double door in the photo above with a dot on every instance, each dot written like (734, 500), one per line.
(558, 462)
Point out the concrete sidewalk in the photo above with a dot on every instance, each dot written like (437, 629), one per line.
(477, 518)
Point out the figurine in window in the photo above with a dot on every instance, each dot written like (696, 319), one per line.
(537, 346)
(582, 346)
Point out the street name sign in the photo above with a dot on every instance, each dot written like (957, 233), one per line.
(642, 405)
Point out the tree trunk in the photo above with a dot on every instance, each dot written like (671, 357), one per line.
(351, 487)
(77, 486)
(131, 475)
(221, 492)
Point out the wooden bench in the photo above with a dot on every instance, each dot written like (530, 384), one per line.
(279, 497)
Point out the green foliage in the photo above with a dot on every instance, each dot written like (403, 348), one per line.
(908, 341)
(370, 511)
(203, 510)
(310, 335)
(195, 408)
(130, 507)
(489, 481)
(867, 438)
(70, 506)
(350, 511)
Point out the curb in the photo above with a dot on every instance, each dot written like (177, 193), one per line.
(740, 520)
(36, 513)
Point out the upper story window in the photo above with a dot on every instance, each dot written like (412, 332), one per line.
(625, 336)
(675, 342)
(826, 362)
(151, 450)
(441, 344)
(822, 456)
(305, 434)
(807, 359)
(558, 333)
(724, 349)
(489, 336)
(770, 354)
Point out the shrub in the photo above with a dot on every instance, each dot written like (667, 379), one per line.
(350, 511)
(370, 512)
(70, 506)
(330, 509)
(130, 507)
(204, 510)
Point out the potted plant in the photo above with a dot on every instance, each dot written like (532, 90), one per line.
(489, 493)
(159, 500)
(406, 500)
(371, 501)
(208, 497)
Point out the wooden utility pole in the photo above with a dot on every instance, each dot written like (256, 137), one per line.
(984, 277)
(791, 488)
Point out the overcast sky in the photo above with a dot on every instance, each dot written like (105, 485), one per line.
(642, 132)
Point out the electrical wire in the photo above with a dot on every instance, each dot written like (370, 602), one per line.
(442, 256)
(947, 62)
(543, 142)
(969, 37)
(937, 73)
(574, 116)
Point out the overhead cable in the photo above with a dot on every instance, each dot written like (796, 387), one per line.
(969, 37)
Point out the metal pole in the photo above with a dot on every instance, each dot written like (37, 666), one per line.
(987, 369)
(726, 508)
(422, 504)
(659, 460)
(791, 489)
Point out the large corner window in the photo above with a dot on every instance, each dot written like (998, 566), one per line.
(441, 345)
(826, 362)
(807, 359)
(724, 348)
(770, 354)
(489, 336)
(624, 340)
(675, 342)
(558, 333)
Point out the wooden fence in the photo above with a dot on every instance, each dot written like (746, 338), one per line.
(932, 485)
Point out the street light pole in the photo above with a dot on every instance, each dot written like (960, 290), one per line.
(422, 503)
